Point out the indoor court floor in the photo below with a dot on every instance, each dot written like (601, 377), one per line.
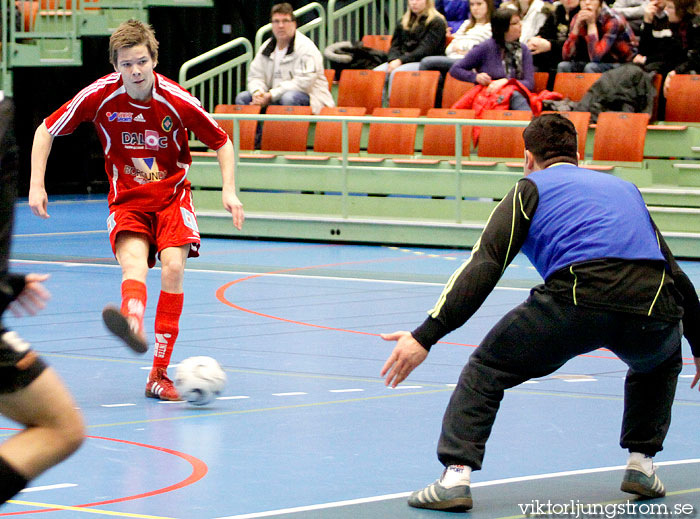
(305, 427)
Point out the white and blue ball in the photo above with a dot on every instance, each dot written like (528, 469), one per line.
(199, 380)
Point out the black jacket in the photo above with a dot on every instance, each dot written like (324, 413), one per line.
(422, 40)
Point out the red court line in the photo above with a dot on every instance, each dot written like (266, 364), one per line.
(199, 470)
(220, 295)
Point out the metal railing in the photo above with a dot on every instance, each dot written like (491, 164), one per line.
(220, 82)
(351, 21)
(315, 29)
(5, 75)
(345, 154)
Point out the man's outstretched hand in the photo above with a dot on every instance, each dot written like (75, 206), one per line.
(407, 355)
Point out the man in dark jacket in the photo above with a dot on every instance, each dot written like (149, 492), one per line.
(610, 281)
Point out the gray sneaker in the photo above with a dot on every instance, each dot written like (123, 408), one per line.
(637, 482)
(437, 497)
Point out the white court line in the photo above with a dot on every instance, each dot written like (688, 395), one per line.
(116, 405)
(48, 487)
(292, 393)
(261, 274)
(344, 390)
(238, 397)
(387, 497)
(66, 233)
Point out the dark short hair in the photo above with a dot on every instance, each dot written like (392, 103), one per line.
(283, 8)
(551, 138)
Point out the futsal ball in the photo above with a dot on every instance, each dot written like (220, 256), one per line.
(199, 380)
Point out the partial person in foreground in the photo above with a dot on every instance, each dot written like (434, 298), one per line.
(31, 393)
(143, 121)
(610, 281)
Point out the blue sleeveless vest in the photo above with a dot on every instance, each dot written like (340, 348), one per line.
(584, 215)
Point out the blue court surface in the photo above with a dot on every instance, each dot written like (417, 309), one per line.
(305, 427)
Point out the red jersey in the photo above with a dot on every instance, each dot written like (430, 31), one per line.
(145, 143)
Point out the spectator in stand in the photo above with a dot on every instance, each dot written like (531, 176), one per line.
(632, 10)
(546, 47)
(500, 58)
(472, 32)
(421, 32)
(600, 39)
(533, 15)
(660, 44)
(455, 13)
(288, 68)
(688, 15)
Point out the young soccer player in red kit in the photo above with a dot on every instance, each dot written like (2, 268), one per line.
(142, 119)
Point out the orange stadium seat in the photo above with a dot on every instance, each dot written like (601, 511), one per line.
(500, 141)
(246, 128)
(681, 101)
(574, 84)
(393, 139)
(328, 135)
(359, 87)
(377, 41)
(440, 139)
(414, 89)
(285, 135)
(453, 90)
(620, 136)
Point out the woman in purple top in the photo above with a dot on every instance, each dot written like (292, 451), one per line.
(500, 58)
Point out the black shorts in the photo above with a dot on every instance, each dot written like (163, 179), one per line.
(19, 366)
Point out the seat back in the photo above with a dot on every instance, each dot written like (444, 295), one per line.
(453, 90)
(360, 87)
(681, 103)
(500, 141)
(620, 136)
(541, 80)
(377, 41)
(414, 89)
(328, 135)
(394, 138)
(285, 135)
(330, 76)
(246, 128)
(574, 84)
(581, 120)
(440, 139)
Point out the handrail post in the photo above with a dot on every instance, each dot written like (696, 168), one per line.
(345, 148)
(458, 172)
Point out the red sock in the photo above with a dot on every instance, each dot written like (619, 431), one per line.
(134, 296)
(167, 327)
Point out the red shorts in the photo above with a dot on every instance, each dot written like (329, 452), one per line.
(174, 226)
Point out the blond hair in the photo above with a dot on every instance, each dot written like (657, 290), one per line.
(132, 33)
(408, 20)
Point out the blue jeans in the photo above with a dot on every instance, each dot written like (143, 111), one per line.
(410, 67)
(289, 98)
(582, 66)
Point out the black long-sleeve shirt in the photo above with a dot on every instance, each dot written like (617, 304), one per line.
(606, 283)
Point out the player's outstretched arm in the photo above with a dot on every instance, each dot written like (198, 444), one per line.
(696, 379)
(38, 200)
(407, 356)
(228, 190)
(34, 296)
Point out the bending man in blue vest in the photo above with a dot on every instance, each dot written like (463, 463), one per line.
(610, 281)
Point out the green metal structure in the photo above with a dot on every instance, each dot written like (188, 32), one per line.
(47, 33)
(420, 200)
